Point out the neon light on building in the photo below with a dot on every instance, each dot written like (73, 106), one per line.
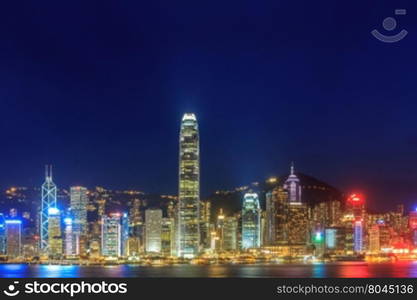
(358, 236)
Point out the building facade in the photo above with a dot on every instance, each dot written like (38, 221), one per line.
(54, 233)
(111, 235)
(3, 236)
(14, 238)
(251, 221)
(79, 202)
(153, 230)
(48, 200)
(189, 188)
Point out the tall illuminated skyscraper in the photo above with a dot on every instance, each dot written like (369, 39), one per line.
(153, 226)
(356, 205)
(189, 188)
(14, 238)
(230, 234)
(3, 240)
(251, 221)
(48, 200)
(79, 202)
(54, 233)
(111, 233)
(292, 185)
(167, 236)
(124, 234)
(69, 238)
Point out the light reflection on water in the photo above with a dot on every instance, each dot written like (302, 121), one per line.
(341, 269)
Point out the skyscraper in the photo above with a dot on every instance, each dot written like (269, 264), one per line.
(3, 240)
(14, 238)
(111, 235)
(124, 234)
(276, 216)
(69, 238)
(251, 221)
(269, 237)
(54, 233)
(230, 234)
(136, 232)
(356, 206)
(412, 224)
(189, 188)
(79, 202)
(48, 200)
(205, 207)
(292, 185)
(296, 216)
(167, 236)
(153, 230)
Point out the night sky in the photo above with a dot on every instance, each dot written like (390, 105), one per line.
(98, 88)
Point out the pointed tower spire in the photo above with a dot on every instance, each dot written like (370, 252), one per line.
(50, 172)
(46, 172)
(292, 168)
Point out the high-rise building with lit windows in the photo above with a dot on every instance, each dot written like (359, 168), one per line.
(276, 216)
(3, 236)
(374, 240)
(296, 216)
(412, 225)
(167, 236)
(356, 207)
(54, 233)
(229, 242)
(297, 224)
(205, 207)
(153, 230)
(136, 224)
(124, 234)
(48, 200)
(251, 221)
(189, 188)
(111, 233)
(79, 202)
(14, 238)
(70, 240)
(293, 187)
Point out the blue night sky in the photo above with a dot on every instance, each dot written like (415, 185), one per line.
(98, 88)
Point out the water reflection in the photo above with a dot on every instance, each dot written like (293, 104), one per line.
(342, 269)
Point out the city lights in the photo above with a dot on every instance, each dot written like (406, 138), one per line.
(53, 211)
(303, 220)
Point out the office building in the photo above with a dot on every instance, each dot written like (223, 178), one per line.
(189, 188)
(54, 233)
(79, 202)
(167, 236)
(48, 194)
(111, 235)
(230, 228)
(251, 221)
(14, 238)
(3, 236)
(153, 230)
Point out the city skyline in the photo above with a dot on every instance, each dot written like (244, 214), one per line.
(301, 222)
(268, 87)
